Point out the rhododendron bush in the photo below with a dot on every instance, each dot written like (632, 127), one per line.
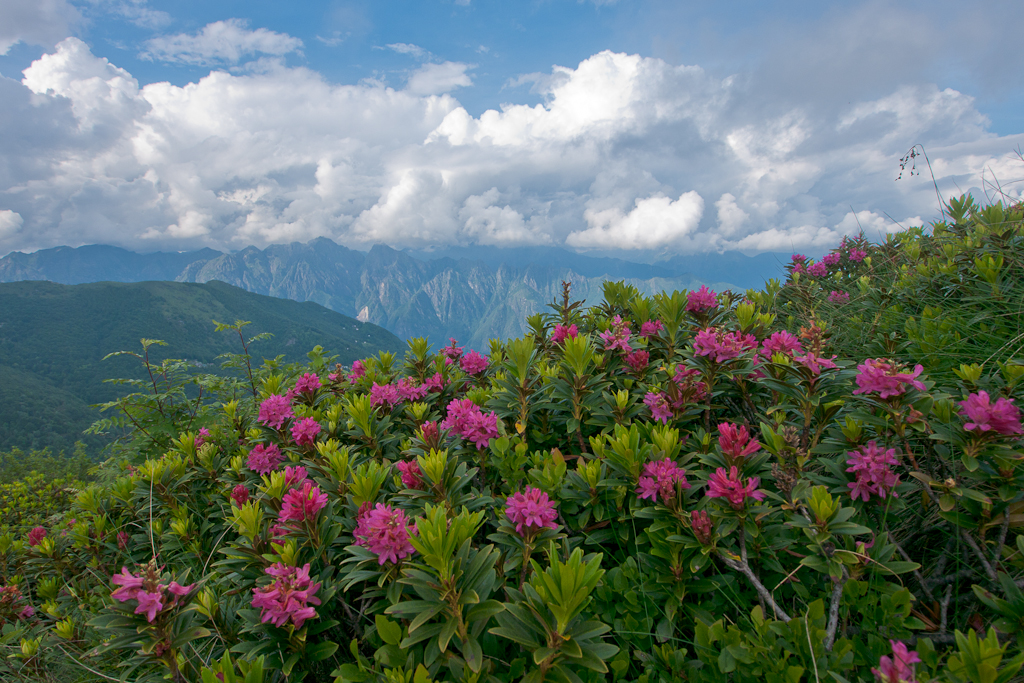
(694, 486)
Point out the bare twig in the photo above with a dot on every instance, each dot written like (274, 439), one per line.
(945, 608)
(833, 611)
(743, 567)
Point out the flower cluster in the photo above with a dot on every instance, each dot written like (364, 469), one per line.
(651, 328)
(684, 387)
(817, 269)
(307, 384)
(412, 475)
(264, 459)
(899, 668)
(702, 300)
(885, 378)
(729, 485)
(661, 477)
(1001, 417)
(782, 342)
(703, 529)
(36, 536)
(240, 494)
(659, 406)
(275, 411)
(838, 298)
(358, 371)
(561, 332)
(452, 352)
(722, 346)
(384, 531)
(305, 431)
(858, 255)
(815, 363)
(288, 597)
(147, 590)
(201, 438)
(531, 511)
(735, 442)
(384, 395)
(467, 420)
(872, 468)
(638, 360)
(299, 505)
(473, 363)
(831, 259)
(14, 605)
(617, 336)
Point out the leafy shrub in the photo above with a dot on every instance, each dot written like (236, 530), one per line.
(684, 487)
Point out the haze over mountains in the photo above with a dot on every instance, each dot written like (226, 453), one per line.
(468, 293)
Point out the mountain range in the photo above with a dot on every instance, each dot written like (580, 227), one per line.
(53, 339)
(467, 293)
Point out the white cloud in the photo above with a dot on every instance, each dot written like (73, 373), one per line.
(621, 153)
(219, 43)
(38, 22)
(409, 49)
(435, 79)
(10, 222)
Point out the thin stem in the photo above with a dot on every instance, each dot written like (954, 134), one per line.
(833, 611)
(743, 567)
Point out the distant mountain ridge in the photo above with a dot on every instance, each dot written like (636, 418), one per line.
(469, 293)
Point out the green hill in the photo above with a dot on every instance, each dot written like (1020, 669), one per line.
(53, 339)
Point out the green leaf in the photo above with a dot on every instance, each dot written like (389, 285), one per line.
(321, 651)
(390, 632)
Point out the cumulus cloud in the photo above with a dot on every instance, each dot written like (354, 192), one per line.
(38, 22)
(622, 153)
(10, 222)
(222, 42)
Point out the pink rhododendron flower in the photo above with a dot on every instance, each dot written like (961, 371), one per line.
(288, 598)
(816, 364)
(781, 342)
(240, 495)
(651, 328)
(435, 384)
(817, 269)
(178, 590)
(735, 442)
(472, 424)
(838, 298)
(307, 384)
(265, 459)
(473, 363)
(384, 531)
(730, 486)
(617, 336)
(358, 371)
(129, 583)
(149, 604)
(411, 474)
(722, 346)
(638, 360)
(1001, 417)
(36, 536)
(452, 352)
(294, 475)
(408, 391)
(531, 511)
(831, 259)
(661, 477)
(798, 258)
(201, 437)
(799, 268)
(659, 406)
(305, 431)
(561, 332)
(703, 530)
(430, 434)
(858, 255)
(702, 300)
(26, 612)
(871, 467)
(122, 540)
(298, 505)
(884, 378)
(384, 395)
(275, 411)
(899, 668)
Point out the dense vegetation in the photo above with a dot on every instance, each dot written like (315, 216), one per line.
(54, 340)
(815, 482)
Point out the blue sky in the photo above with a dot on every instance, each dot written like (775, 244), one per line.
(639, 128)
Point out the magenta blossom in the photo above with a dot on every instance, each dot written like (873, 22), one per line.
(858, 255)
(147, 590)
(452, 352)
(831, 259)
(473, 363)
(307, 384)
(288, 598)
(781, 342)
(435, 384)
(240, 495)
(129, 583)
(702, 527)
(275, 411)
(702, 300)
(722, 346)
(561, 333)
(265, 459)
(36, 536)
(900, 667)
(1001, 417)
(817, 269)
(384, 531)
(884, 378)
(651, 328)
(122, 540)
(659, 406)
(467, 420)
(729, 485)
(299, 505)
(872, 468)
(816, 364)
(638, 360)
(305, 431)
(358, 371)
(407, 391)
(386, 395)
(661, 477)
(839, 298)
(411, 474)
(201, 437)
(531, 511)
(798, 258)
(735, 442)
(617, 336)
(294, 475)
